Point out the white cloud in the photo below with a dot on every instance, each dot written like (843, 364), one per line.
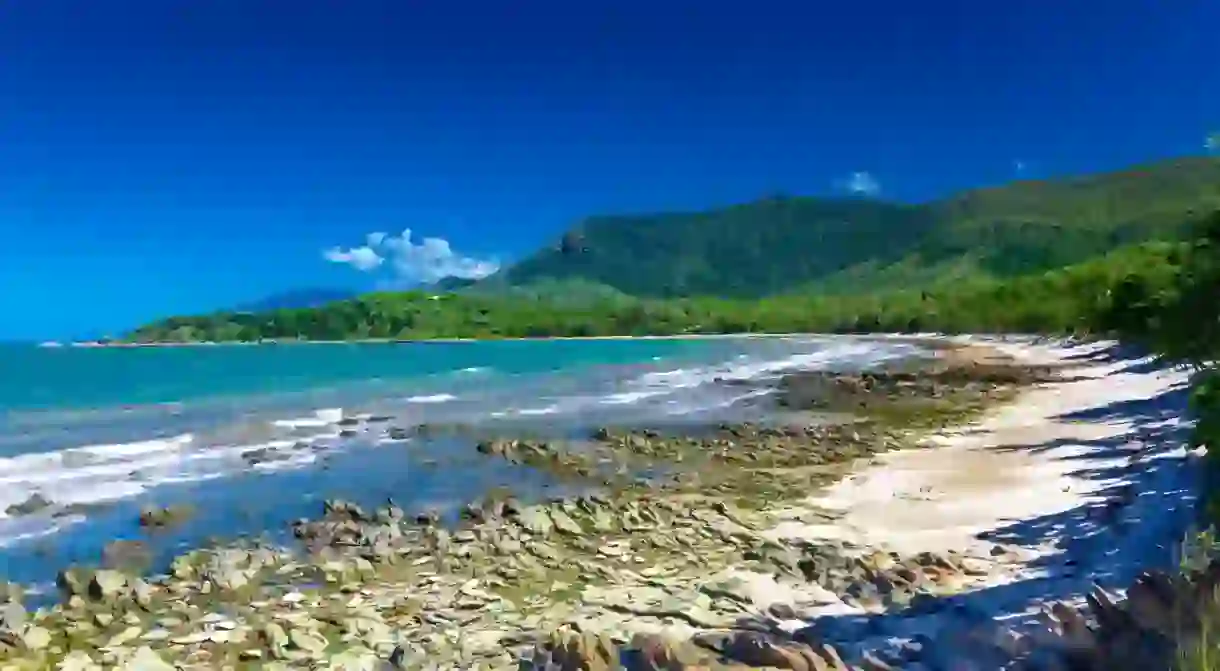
(361, 258)
(429, 260)
(1212, 143)
(862, 183)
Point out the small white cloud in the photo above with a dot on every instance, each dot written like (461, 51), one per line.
(429, 260)
(363, 259)
(1019, 166)
(1212, 143)
(862, 183)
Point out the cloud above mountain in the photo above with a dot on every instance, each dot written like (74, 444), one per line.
(426, 261)
(862, 183)
(360, 258)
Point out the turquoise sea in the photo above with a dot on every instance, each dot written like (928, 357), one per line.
(96, 433)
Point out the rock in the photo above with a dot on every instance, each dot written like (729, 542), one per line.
(31, 505)
(564, 523)
(974, 567)
(535, 520)
(106, 585)
(127, 555)
(353, 660)
(78, 660)
(124, 637)
(12, 617)
(36, 638)
(572, 651)
(275, 638)
(141, 593)
(755, 650)
(71, 582)
(10, 592)
(870, 662)
(654, 653)
(264, 455)
(160, 517)
(309, 641)
(145, 659)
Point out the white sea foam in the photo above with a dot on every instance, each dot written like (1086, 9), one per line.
(534, 412)
(101, 473)
(431, 398)
(746, 367)
(631, 397)
(106, 472)
(321, 418)
(18, 529)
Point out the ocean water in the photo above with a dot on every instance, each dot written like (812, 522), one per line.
(100, 432)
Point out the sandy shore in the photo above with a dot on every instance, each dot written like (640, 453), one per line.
(1077, 482)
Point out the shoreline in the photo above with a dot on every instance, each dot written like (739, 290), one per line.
(636, 582)
(930, 337)
(1076, 484)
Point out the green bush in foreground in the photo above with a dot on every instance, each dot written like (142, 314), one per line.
(1181, 322)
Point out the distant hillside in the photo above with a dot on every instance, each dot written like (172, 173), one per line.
(297, 298)
(786, 244)
(1064, 299)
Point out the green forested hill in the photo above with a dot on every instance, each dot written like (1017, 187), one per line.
(1061, 299)
(742, 251)
(782, 244)
(1027, 256)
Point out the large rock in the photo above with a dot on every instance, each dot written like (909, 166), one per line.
(573, 651)
(31, 505)
(755, 649)
(160, 517)
(12, 617)
(106, 585)
(127, 555)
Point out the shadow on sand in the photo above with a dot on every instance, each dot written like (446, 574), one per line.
(1145, 493)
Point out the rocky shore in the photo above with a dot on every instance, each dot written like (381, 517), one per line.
(671, 560)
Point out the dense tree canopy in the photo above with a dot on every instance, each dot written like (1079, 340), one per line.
(1072, 298)
(780, 244)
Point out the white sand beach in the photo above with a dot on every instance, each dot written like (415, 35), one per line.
(1083, 481)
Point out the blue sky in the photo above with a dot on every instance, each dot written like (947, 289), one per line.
(173, 156)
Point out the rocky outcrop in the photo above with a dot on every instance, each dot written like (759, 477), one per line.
(669, 573)
(167, 516)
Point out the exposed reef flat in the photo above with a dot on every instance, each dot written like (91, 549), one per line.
(869, 529)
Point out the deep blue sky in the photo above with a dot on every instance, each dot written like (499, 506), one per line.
(166, 156)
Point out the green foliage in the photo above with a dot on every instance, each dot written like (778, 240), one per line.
(784, 244)
(1079, 298)
(1176, 313)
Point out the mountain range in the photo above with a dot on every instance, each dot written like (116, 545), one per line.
(795, 244)
(786, 244)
